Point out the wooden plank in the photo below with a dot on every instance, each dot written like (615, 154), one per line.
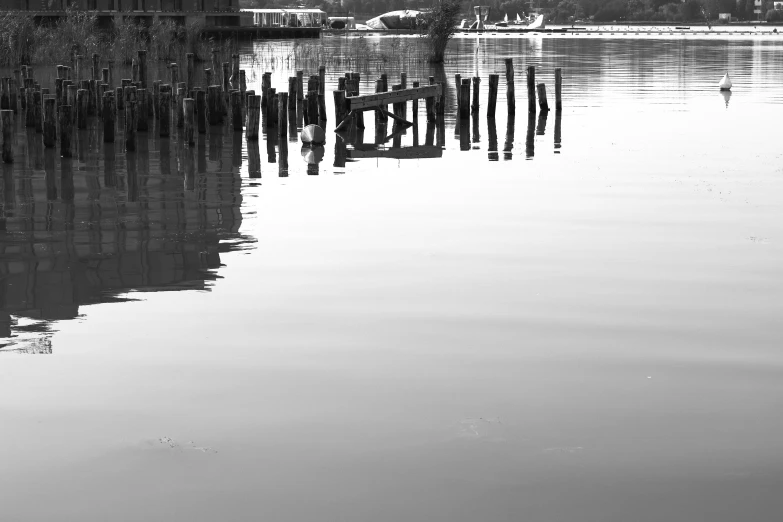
(371, 101)
(424, 151)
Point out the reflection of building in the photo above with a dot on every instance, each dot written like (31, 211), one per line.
(87, 230)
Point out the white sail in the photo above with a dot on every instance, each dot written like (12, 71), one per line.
(519, 20)
(725, 83)
(539, 23)
(505, 19)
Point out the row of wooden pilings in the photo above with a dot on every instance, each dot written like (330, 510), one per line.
(177, 103)
(465, 105)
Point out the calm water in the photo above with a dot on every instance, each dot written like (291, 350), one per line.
(567, 317)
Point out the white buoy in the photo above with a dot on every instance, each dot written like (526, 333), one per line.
(313, 135)
(725, 83)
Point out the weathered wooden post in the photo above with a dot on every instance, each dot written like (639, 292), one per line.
(7, 118)
(5, 95)
(81, 108)
(236, 110)
(119, 99)
(339, 106)
(142, 112)
(92, 98)
(558, 88)
(253, 117)
(156, 98)
(226, 87)
(510, 100)
(96, 66)
(105, 76)
(458, 91)
(415, 106)
(214, 106)
(322, 80)
(29, 93)
(190, 120)
(216, 67)
(282, 114)
(108, 118)
(299, 87)
(130, 125)
(191, 70)
(165, 112)
(266, 84)
(243, 86)
(180, 109)
(14, 90)
(531, 88)
(174, 75)
(66, 123)
(201, 111)
(494, 79)
(235, 72)
(208, 77)
(464, 99)
(542, 103)
(134, 70)
(292, 93)
(70, 99)
(476, 83)
(111, 73)
(61, 72)
(50, 123)
(271, 113)
(38, 111)
(78, 66)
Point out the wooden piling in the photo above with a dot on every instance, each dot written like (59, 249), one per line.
(108, 118)
(253, 117)
(216, 68)
(404, 80)
(78, 67)
(50, 123)
(226, 86)
(339, 106)
(180, 109)
(208, 77)
(214, 107)
(542, 103)
(135, 70)
(558, 88)
(201, 111)
(476, 82)
(119, 99)
(464, 99)
(130, 125)
(96, 66)
(156, 98)
(236, 110)
(189, 105)
(38, 111)
(266, 84)
(531, 88)
(458, 91)
(321, 80)
(312, 107)
(174, 75)
(494, 80)
(510, 100)
(271, 111)
(282, 114)
(111, 73)
(415, 106)
(300, 86)
(66, 123)
(243, 86)
(165, 112)
(30, 107)
(7, 118)
(13, 95)
(142, 113)
(81, 108)
(105, 76)
(292, 93)
(190, 67)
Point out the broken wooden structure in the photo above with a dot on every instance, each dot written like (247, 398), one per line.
(380, 101)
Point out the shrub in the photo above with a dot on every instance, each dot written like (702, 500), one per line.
(441, 25)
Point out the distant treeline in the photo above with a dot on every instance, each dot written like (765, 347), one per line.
(561, 11)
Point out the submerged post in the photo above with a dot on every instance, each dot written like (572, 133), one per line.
(510, 102)
(65, 131)
(201, 111)
(236, 110)
(476, 82)
(253, 117)
(165, 112)
(282, 114)
(108, 118)
(558, 88)
(189, 107)
(130, 125)
(464, 105)
(81, 108)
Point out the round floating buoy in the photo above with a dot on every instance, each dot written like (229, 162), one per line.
(312, 155)
(313, 135)
(725, 83)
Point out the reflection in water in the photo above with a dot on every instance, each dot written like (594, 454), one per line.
(254, 159)
(558, 118)
(476, 135)
(492, 147)
(313, 157)
(531, 135)
(340, 152)
(508, 146)
(726, 97)
(283, 163)
(541, 127)
(429, 136)
(464, 134)
(271, 147)
(68, 241)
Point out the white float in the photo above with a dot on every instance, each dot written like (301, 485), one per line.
(725, 83)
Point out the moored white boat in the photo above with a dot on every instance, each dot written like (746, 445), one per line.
(725, 83)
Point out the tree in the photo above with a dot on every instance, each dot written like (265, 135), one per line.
(441, 26)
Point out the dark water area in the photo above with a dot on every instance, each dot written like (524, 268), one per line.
(556, 316)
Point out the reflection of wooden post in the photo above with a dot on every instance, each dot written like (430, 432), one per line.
(558, 88)
(81, 108)
(180, 108)
(38, 111)
(143, 112)
(510, 102)
(7, 117)
(542, 97)
(214, 108)
(494, 79)
(458, 90)
(50, 123)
